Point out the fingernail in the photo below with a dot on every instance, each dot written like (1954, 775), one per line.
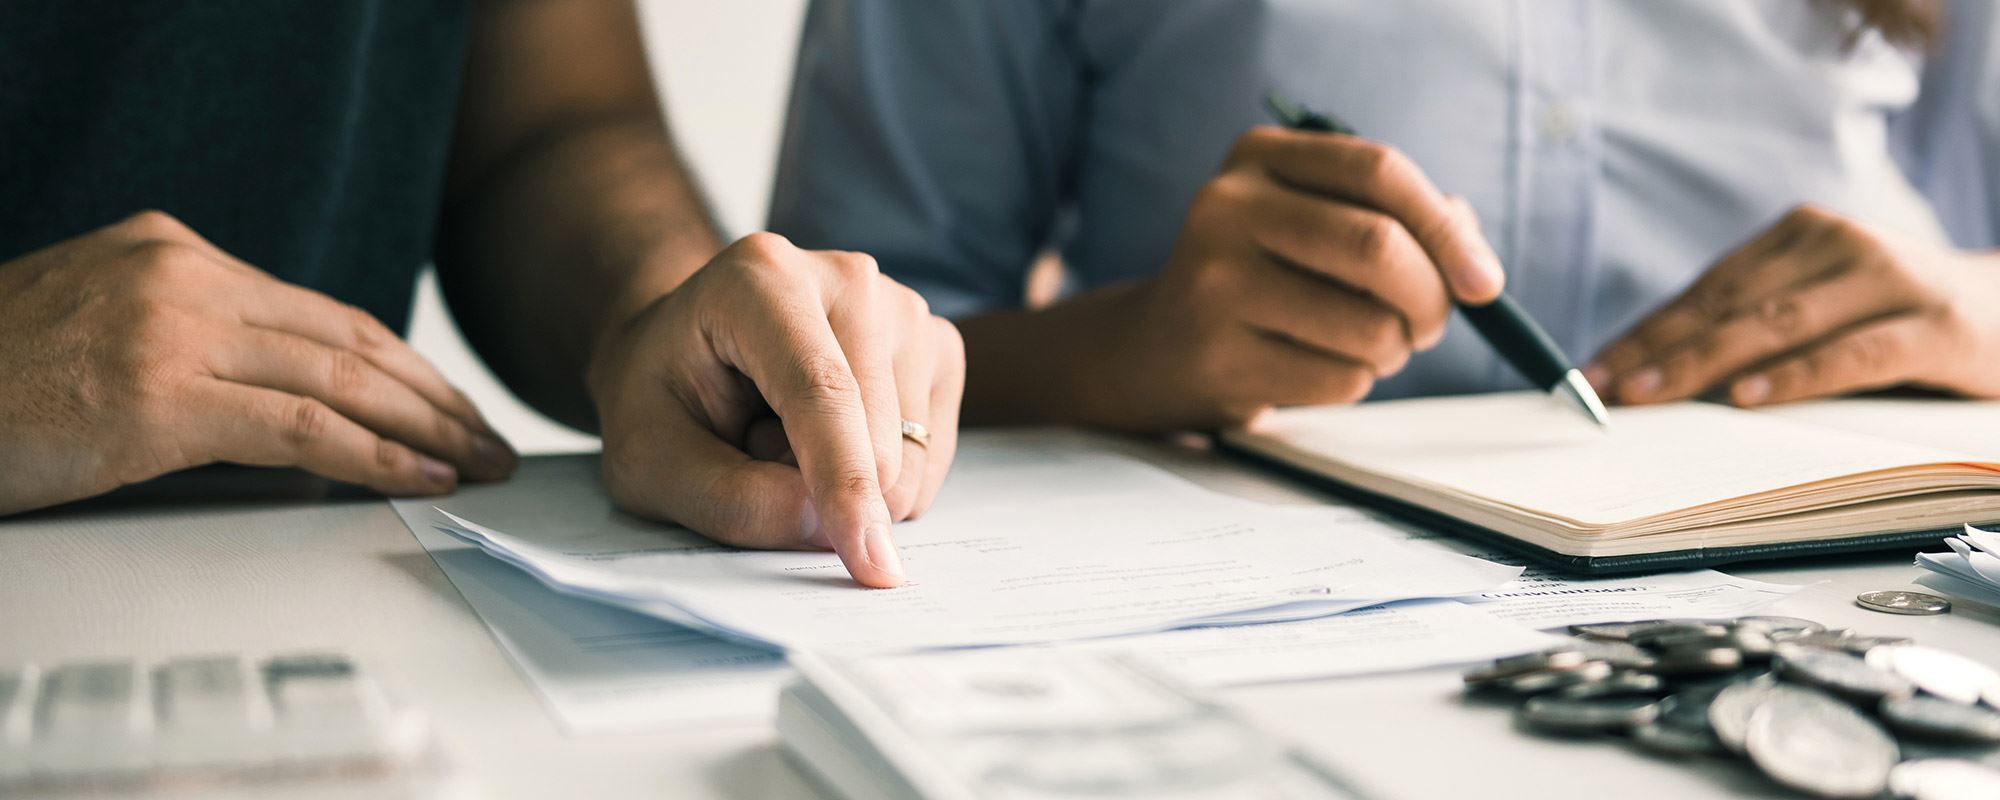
(882, 551)
(1641, 384)
(1597, 376)
(1752, 390)
(435, 471)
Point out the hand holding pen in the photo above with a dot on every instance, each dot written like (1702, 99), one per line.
(1309, 267)
(1502, 322)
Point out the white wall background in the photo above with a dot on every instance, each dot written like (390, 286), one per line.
(724, 67)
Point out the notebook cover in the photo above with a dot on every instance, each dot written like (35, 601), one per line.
(1661, 561)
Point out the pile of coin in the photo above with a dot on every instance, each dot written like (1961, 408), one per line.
(1830, 713)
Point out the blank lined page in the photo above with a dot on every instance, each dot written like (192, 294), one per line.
(1528, 450)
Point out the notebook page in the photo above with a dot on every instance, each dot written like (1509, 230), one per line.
(1527, 450)
(1972, 426)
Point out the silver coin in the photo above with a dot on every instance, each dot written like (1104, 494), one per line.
(1816, 744)
(1549, 680)
(1615, 631)
(1844, 641)
(1754, 643)
(1934, 718)
(1896, 601)
(1944, 779)
(1841, 673)
(1780, 627)
(1512, 666)
(1678, 634)
(1940, 672)
(1860, 645)
(1987, 754)
(1622, 682)
(1623, 655)
(1593, 715)
(1688, 708)
(1674, 740)
(1683, 661)
(1729, 713)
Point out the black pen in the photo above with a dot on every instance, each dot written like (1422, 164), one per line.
(1502, 323)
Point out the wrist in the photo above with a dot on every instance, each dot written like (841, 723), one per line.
(1070, 363)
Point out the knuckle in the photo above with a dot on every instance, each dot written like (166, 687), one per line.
(1956, 329)
(1380, 163)
(446, 428)
(1252, 143)
(857, 267)
(1781, 317)
(1374, 236)
(155, 224)
(365, 331)
(388, 455)
(765, 246)
(346, 375)
(163, 263)
(1713, 301)
(1811, 367)
(852, 481)
(915, 305)
(1870, 353)
(1221, 197)
(825, 382)
(305, 421)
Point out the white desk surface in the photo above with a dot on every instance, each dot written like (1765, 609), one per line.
(274, 561)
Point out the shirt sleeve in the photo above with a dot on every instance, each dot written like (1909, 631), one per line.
(1949, 141)
(935, 135)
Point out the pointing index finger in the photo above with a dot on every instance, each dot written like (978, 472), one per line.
(797, 363)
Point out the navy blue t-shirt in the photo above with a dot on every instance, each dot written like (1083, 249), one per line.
(307, 137)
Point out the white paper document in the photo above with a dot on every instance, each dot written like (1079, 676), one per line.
(601, 669)
(1543, 599)
(1400, 636)
(1102, 567)
(1971, 570)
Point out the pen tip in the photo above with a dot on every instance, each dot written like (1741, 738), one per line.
(1580, 392)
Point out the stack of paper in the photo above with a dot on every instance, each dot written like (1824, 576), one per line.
(1029, 723)
(1971, 569)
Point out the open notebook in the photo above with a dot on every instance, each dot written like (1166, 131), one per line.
(1664, 486)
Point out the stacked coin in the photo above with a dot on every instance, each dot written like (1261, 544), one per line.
(1830, 713)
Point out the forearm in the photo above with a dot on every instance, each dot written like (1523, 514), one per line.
(1064, 364)
(575, 231)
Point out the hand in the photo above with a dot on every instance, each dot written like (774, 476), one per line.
(1312, 265)
(140, 349)
(768, 355)
(1817, 305)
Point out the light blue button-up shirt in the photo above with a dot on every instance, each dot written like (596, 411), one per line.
(1612, 148)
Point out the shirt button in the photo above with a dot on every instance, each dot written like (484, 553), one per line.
(1558, 121)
